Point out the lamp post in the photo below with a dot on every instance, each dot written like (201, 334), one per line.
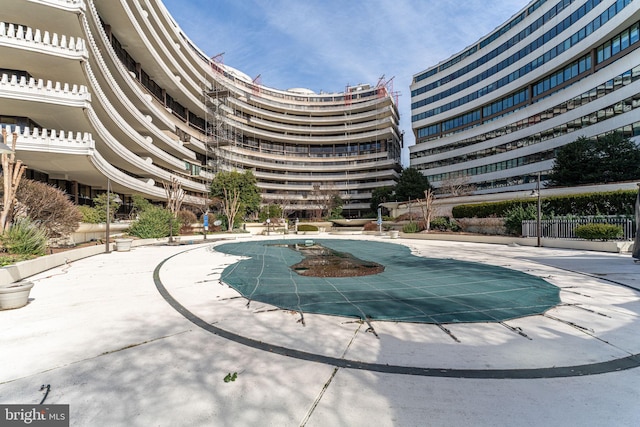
(107, 249)
(536, 192)
(539, 213)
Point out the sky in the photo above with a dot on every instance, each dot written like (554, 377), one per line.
(326, 45)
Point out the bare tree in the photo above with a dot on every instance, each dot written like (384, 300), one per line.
(175, 195)
(286, 205)
(12, 171)
(458, 186)
(324, 198)
(427, 208)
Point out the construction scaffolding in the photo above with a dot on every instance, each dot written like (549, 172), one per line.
(221, 132)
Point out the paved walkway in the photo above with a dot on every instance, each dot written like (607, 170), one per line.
(147, 337)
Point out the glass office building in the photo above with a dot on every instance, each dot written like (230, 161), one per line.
(494, 114)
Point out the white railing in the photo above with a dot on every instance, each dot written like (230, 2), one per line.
(564, 228)
(51, 140)
(10, 32)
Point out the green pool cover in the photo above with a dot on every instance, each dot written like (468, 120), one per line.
(411, 288)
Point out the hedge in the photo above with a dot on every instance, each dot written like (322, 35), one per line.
(599, 231)
(307, 227)
(621, 202)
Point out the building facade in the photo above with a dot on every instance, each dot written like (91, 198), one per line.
(113, 94)
(494, 114)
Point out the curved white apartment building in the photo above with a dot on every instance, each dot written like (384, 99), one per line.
(493, 114)
(111, 93)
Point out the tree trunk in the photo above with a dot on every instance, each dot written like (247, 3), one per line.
(12, 171)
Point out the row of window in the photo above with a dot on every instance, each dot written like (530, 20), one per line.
(618, 43)
(315, 150)
(627, 132)
(483, 43)
(552, 53)
(493, 167)
(505, 103)
(515, 57)
(428, 131)
(590, 95)
(569, 72)
(522, 35)
(295, 163)
(462, 120)
(568, 127)
(311, 177)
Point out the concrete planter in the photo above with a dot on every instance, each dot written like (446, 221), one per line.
(15, 295)
(393, 234)
(123, 245)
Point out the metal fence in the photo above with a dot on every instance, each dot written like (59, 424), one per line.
(563, 228)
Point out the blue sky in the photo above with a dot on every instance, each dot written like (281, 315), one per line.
(325, 45)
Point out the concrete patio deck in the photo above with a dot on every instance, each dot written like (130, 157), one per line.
(147, 337)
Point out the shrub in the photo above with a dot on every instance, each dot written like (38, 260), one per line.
(490, 209)
(25, 237)
(100, 206)
(619, 202)
(153, 223)
(269, 211)
(371, 226)
(443, 223)
(307, 227)
(411, 227)
(89, 214)
(140, 204)
(599, 231)
(48, 206)
(493, 225)
(186, 219)
(513, 217)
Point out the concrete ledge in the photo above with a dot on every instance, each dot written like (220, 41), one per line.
(585, 245)
(23, 269)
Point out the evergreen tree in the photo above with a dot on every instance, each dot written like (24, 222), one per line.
(380, 195)
(611, 158)
(411, 185)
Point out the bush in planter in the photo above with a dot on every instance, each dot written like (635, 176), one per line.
(100, 206)
(444, 223)
(599, 231)
(513, 217)
(48, 206)
(370, 226)
(25, 237)
(186, 218)
(153, 223)
(307, 227)
(89, 214)
(412, 227)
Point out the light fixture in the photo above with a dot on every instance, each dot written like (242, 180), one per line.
(536, 192)
(5, 149)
